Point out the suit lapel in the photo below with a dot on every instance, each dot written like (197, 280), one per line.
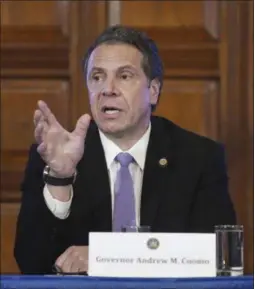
(98, 180)
(157, 167)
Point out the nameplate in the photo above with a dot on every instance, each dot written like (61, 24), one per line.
(152, 255)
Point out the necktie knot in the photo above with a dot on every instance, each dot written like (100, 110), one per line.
(124, 159)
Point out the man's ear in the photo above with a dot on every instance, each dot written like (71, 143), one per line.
(154, 91)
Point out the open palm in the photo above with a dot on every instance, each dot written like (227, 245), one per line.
(60, 149)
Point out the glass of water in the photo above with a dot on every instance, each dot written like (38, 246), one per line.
(229, 250)
(135, 229)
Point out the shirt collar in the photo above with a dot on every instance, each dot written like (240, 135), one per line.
(138, 151)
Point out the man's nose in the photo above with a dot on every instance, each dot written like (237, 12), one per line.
(109, 88)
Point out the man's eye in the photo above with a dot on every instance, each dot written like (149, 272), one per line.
(126, 76)
(96, 77)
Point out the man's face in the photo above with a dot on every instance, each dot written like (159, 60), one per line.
(119, 91)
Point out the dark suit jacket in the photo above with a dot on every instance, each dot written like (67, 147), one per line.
(190, 194)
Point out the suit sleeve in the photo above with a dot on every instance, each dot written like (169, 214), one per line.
(40, 236)
(212, 204)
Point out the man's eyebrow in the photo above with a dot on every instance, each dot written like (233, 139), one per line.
(127, 67)
(100, 69)
(96, 69)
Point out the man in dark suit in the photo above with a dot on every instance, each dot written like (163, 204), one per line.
(124, 167)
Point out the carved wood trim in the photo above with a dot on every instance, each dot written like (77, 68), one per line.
(114, 11)
(211, 17)
(35, 52)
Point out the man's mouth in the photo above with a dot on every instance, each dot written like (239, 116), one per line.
(110, 109)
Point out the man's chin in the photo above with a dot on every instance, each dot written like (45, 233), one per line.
(113, 130)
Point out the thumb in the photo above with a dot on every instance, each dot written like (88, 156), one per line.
(82, 126)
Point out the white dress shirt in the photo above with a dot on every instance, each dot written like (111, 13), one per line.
(62, 209)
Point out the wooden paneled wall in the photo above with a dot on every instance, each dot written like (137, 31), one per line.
(42, 45)
(207, 50)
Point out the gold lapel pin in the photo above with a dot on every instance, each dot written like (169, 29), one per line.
(163, 162)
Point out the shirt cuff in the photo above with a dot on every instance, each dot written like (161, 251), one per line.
(58, 208)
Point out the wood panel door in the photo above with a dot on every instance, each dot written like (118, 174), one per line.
(35, 40)
(42, 45)
(34, 65)
(189, 46)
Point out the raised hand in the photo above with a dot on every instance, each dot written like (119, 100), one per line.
(60, 149)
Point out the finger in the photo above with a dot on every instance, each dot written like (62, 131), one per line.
(45, 129)
(82, 126)
(83, 266)
(42, 148)
(37, 117)
(68, 264)
(46, 112)
(38, 133)
(41, 131)
(79, 262)
(76, 266)
(79, 266)
(73, 263)
(62, 258)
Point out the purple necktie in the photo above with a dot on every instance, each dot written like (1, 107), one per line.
(124, 201)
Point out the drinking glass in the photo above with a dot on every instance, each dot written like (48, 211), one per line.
(229, 250)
